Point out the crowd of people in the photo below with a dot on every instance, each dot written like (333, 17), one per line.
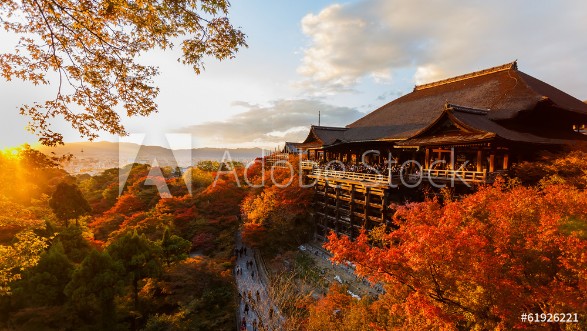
(384, 169)
(254, 304)
(363, 168)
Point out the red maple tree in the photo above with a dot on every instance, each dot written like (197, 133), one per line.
(480, 262)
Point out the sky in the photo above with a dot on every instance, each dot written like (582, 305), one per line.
(343, 59)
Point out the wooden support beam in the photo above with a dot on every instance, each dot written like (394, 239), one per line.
(492, 162)
(352, 211)
(479, 160)
(452, 159)
(337, 211)
(367, 203)
(506, 159)
(384, 210)
(427, 160)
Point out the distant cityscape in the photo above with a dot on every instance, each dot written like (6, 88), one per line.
(93, 158)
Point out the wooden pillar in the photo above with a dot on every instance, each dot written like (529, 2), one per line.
(492, 162)
(352, 212)
(427, 160)
(384, 203)
(479, 160)
(366, 210)
(337, 210)
(452, 159)
(325, 197)
(506, 160)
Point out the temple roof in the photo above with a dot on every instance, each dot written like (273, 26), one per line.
(476, 126)
(322, 136)
(504, 91)
(490, 103)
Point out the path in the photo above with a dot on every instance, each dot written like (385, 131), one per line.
(262, 311)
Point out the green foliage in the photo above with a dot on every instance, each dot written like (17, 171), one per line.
(139, 258)
(76, 247)
(173, 248)
(165, 322)
(200, 293)
(199, 177)
(68, 202)
(44, 284)
(93, 288)
(101, 191)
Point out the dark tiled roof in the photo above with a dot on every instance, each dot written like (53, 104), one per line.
(448, 139)
(292, 147)
(477, 127)
(483, 123)
(503, 90)
(323, 136)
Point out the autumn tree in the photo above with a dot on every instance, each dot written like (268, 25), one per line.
(68, 203)
(139, 257)
(338, 310)
(89, 50)
(567, 166)
(277, 218)
(24, 253)
(479, 262)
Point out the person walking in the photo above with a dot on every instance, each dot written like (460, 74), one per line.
(246, 309)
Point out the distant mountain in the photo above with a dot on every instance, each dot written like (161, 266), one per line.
(125, 153)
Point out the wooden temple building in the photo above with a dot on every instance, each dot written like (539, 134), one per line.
(458, 131)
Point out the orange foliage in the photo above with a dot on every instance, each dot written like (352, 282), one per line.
(482, 261)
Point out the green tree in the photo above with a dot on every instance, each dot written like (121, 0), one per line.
(76, 247)
(93, 47)
(173, 248)
(93, 287)
(45, 283)
(68, 203)
(139, 257)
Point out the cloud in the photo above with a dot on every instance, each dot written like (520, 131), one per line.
(437, 39)
(268, 125)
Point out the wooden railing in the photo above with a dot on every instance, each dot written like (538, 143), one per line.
(427, 174)
(373, 178)
(307, 164)
(457, 175)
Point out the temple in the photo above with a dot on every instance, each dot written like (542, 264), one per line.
(460, 131)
